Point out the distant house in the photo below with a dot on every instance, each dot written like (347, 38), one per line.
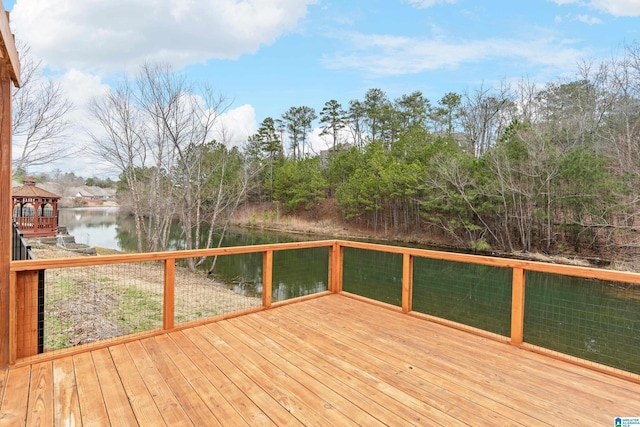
(83, 193)
(93, 195)
(100, 193)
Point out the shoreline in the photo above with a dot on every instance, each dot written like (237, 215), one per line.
(255, 219)
(327, 224)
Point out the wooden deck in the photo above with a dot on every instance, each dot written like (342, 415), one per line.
(326, 361)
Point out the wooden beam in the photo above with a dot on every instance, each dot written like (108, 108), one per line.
(5, 212)
(267, 278)
(10, 350)
(168, 316)
(8, 48)
(517, 307)
(45, 264)
(336, 254)
(407, 283)
(27, 314)
(543, 267)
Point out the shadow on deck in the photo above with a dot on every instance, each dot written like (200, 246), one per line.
(332, 360)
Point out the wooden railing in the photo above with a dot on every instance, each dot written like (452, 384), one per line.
(24, 281)
(36, 225)
(23, 308)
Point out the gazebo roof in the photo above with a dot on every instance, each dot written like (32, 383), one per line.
(29, 189)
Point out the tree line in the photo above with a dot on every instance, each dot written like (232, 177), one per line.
(512, 167)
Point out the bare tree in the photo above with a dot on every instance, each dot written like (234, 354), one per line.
(123, 144)
(39, 117)
(484, 117)
(160, 133)
(182, 124)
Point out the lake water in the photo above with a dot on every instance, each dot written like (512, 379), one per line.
(95, 226)
(591, 319)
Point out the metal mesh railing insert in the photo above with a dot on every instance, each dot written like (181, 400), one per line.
(471, 294)
(595, 320)
(373, 274)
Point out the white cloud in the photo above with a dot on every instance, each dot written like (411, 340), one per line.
(318, 142)
(233, 127)
(105, 35)
(82, 41)
(587, 19)
(617, 7)
(81, 87)
(384, 55)
(423, 4)
(612, 7)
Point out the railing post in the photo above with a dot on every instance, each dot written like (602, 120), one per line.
(407, 282)
(336, 257)
(517, 306)
(12, 329)
(26, 325)
(169, 293)
(6, 212)
(267, 278)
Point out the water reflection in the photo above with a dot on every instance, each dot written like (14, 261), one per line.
(296, 272)
(95, 226)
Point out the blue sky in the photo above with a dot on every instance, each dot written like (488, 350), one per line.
(269, 55)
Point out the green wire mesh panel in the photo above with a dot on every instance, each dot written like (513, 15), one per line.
(299, 272)
(592, 319)
(471, 294)
(373, 274)
(240, 273)
(87, 304)
(199, 295)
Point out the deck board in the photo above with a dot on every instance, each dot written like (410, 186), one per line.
(447, 397)
(40, 411)
(66, 410)
(322, 403)
(220, 408)
(115, 398)
(92, 407)
(307, 370)
(365, 395)
(326, 361)
(142, 404)
(188, 398)
(457, 384)
(162, 395)
(15, 399)
(497, 374)
(276, 411)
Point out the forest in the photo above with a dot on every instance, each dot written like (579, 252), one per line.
(510, 167)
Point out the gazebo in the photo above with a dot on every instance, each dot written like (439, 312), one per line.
(35, 210)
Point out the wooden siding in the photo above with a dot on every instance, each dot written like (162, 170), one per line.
(332, 360)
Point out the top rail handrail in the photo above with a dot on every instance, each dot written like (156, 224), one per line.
(83, 261)
(543, 267)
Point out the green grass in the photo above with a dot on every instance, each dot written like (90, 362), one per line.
(55, 335)
(56, 331)
(138, 310)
